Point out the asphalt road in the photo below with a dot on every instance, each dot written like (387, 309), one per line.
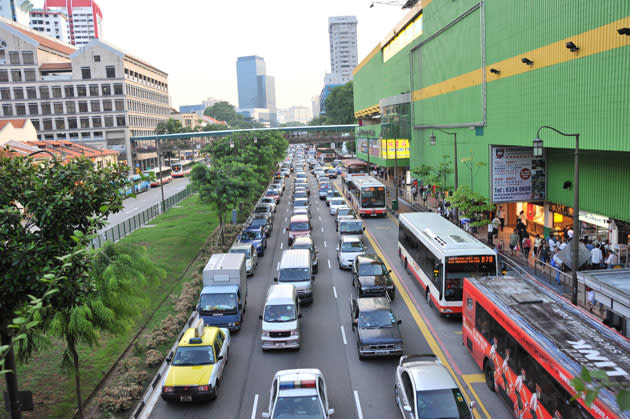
(356, 389)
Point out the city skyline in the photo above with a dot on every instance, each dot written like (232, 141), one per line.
(296, 49)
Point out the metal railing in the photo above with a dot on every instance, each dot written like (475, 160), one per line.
(121, 230)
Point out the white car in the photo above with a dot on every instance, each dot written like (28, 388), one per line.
(298, 393)
(336, 203)
(348, 248)
(423, 388)
(269, 200)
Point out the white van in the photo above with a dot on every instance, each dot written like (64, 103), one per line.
(281, 318)
(296, 268)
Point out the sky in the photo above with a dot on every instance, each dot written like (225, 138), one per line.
(197, 42)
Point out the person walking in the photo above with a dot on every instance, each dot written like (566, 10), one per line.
(552, 244)
(496, 224)
(543, 253)
(596, 257)
(562, 244)
(490, 234)
(501, 217)
(526, 245)
(414, 192)
(611, 260)
(537, 243)
(513, 241)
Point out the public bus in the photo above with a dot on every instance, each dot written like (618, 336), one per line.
(367, 196)
(136, 185)
(530, 342)
(183, 168)
(439, 255)
(161, 175)
(353, 168)
(326, 154)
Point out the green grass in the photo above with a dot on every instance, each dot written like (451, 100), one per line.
(171, 244)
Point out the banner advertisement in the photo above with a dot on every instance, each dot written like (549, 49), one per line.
(362, 144)
(516, 175)
(388, 149)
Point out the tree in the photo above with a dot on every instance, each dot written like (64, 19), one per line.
(41, 207)
(340, 105)
(589, 383)
(471, 205)
(470, 164)
(170, 126)
(318, 120)
(222, 111)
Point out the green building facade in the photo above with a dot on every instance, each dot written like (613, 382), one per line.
(493, 73)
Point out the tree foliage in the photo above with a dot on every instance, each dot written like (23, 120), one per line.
(471, 205)
(435, 175)
(170, 126)
(340, 105)
(589, 383)
(224, 111)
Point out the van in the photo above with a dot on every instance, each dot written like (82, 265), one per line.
(295, 268)
(281, 318)
(299, 225)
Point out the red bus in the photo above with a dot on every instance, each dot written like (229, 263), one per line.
(183, 168)
(159, 176)
(530, 342)
(367, 196)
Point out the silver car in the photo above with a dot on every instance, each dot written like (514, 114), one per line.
(348, 248)
(251, 256)
(336, 203)
(423, 388)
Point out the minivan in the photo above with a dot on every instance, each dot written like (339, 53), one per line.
(281, 318)
(295, 268)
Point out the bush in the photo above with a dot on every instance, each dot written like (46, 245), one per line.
(153, 358)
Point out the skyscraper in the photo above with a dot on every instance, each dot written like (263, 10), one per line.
(16, 10)
(256, 90)
(342, 31)
(84, 18)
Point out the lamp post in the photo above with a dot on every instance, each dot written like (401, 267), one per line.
(575, 241)
(454, 134)
(159, 161)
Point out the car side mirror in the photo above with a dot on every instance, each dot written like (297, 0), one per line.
(238, 237)
(407, 408)
(275, 278)
(300, 316)
(363, 228)
(265, 414)
(355, 323)
(331, 412)
(473, 404)
(219, 358)
(194, 308)
(337, 249)
(260, 317)
(399, 322)
(169, 358)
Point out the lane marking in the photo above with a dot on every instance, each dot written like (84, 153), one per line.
(343, 335)
(329, 266)
(322, 229)
(255, 407)
(320, 217)
(458, 332)
(130, 211)
(285, 219)
(281, 244)
(325, 243)
(358, 404)
(335, 292)
(473, 378)
(278, 266)
(284, 230)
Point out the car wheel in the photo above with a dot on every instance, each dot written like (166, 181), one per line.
(489, 373)
(262, 254)
(392, 295)
(428, 295)
(216, 389)
(361, 357)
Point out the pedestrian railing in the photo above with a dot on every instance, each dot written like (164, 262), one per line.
(120, 230)
(554, 274)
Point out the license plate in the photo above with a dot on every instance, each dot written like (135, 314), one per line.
(374, 214)
(278, 344)
(185, 398)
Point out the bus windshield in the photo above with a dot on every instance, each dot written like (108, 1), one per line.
(373, 197)
(460, 267)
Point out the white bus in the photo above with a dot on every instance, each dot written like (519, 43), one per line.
(439, 255)
(368, 196)
(161, 175)
(183, 168)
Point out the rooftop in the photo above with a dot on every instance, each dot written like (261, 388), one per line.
(43, 40)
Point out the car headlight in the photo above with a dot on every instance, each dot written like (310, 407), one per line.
(168, 389)
(447, 310)
(295, 332)
(265, 333)
(231, 324)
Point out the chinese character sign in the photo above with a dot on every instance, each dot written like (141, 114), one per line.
(388, 149)
(516, 175)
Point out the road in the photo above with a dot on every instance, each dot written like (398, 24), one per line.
(357, 389)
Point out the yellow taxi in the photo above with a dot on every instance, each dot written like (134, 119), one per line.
(196, 367)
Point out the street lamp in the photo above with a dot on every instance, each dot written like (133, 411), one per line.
(454, 134)
(159, 164)
(538, 148)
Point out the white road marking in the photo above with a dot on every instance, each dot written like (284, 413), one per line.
(278, 266)
(130, 211)
(325, 243)
(322, 229)
(255, 407)
(343, 335)
(281, 244)
(285, 219)
(335, 292)
(320, 217)
(358, 404)
(329, 266)
(284, 230)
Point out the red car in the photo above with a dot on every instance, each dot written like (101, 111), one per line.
(273, 193)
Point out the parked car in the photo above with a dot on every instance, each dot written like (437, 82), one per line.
(270, 201)
(298, 393)
(371, 277)
(274, 193)
(264, 209)
(306, 242)
(348, 248)
(423, 388)
(255, 236)
(376, 328)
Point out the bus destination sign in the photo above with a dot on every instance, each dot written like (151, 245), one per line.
(476, 259)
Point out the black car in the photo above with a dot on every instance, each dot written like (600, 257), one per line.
(262, 220)
(371, 277)
(375, 327)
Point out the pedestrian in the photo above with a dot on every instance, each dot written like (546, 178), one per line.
(611, 260)
(490, 234)
(496, 224)
(543, 253)
(562, 244)
(526, 245)
(501, 217)
(569, 233)
(500, 246)
(414, 192)
(521, 229)
(556, 262)
(596, 257)
(552, 244)
(513, 241)
(537, 243)
(521, 217)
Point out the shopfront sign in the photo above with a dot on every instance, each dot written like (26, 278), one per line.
(389, 152)
(595, 219)
(516, 175)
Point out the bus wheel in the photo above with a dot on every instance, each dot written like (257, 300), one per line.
(406, 266)
(489, 373)
(429, 302)
(399, 253)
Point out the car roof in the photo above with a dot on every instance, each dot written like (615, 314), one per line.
(429, 375)
(299, 218)
(300, 199)
(373, 303)
(206, 339)
(350, 239)
(303, 240)
(368, 259)
(240, 245)
(253, 228)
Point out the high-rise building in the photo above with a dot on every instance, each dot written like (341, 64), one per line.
(53, 24)
(16, 10)
(84, 17)
(342, 31)
(256, 90)
(315, 106)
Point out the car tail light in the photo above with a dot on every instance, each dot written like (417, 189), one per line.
(167, 389)
(202, 388)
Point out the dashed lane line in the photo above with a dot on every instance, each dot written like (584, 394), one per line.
(343, 335)
(335, 292)
(255, 407)
(358, 405)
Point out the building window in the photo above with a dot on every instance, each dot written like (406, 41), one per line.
(7, 110)
(98, 134)
(83, 107)
(93, 89)
(35, 124)
(81, 90)
(14, 57)
(97, 58)
(97, 122)
(107, 106)
(58, 107)
(2, 55)
(96, 106)
(107, 89)
(74, 135)
(27, 57)
(86, 135)
(44, 93)
(60, 123)
(70, 107)
(120, 105)
(118, 89)
(16, 75)
(85, 123)
(120, 120)
(46, 108)
(33, 109)
(72, 123)
(4, 75)
(109, 121)
(31, 93)
(5, 93)
(56, 91)
(29, 75)
(20, 109)
(110, 71)
(18, 93)
(86, 73)
(47, 124)
(69, 91)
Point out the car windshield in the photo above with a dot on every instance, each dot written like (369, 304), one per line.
(299, 226)
(352, 246)
(351, 227)
(246, 252)
(303, 246)
(217, 302)
(294, 274)
(279, 313)
(268, 200)
(300, 203)
(193, 355)
(251, 235)
(262, 209)
(258, 222)
(371, 269)
(337, 201)
(303, 407)
(376, 318)
(300, 194)
(446, 403)
(271, 192)
(344, 211)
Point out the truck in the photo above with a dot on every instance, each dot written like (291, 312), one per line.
(223, 299)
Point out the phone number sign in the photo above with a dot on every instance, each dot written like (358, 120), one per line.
(516, 175)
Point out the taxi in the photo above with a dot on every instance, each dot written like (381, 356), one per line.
(196, 367)
(298, 393)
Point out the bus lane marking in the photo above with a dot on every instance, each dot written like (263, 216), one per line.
(325, 243)
(281, 244)
(329, 265)
(425, 328)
